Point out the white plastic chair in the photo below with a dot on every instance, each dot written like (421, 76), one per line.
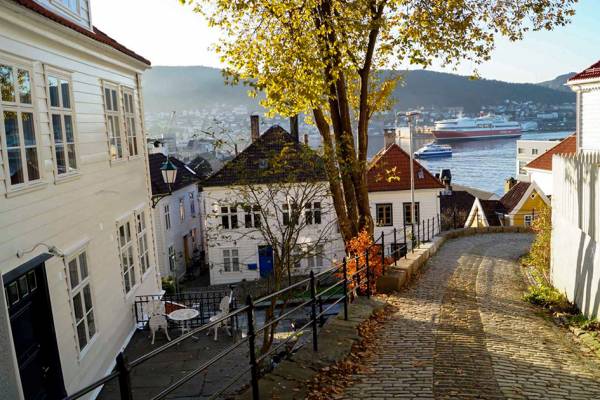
(223, 310)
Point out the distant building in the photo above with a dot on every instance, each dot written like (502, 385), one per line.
(178, 213)
(77, 237)
(539, 170)
(529, 150)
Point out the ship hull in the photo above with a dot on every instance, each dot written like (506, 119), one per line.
(476, 134)
(432, 154)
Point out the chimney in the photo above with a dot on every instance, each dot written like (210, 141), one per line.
(306, 139)
(254, 128)
(509, 183)
(294, 128)
(389, 137)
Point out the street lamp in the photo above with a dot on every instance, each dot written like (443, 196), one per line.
(168, 171)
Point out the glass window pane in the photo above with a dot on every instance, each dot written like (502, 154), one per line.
(53, 87)
(114, 100)
(33, 172)
(32, 280)
(83, 269)
(61, 163)
(66, 95)
(131, 104)
(24, 87)
(87, 298)
(13, 293)
(7, 88)
(78, 307)
(28, 129)
(22, 283)
(72, 157)
(81, 335)
(57, 128)
(15, 166)
(11, 128)
(107, 103)
(91, 324)
(73, 273)
(69, 129)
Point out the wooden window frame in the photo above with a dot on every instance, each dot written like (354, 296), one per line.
(230, 257)
(417, 212)
(128, 248)
(115, 111)
(391, 214)
(141, 233)
(129, 121)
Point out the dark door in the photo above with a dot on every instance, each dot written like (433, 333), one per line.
(33, 335)
(265, 261)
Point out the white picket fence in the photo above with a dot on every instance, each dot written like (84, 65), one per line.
(576, 197)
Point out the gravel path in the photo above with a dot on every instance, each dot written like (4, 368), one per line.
(462, 332)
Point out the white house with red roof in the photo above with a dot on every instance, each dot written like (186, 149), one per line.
(539, 169)
(388, 178)
(575, 261)
(77, 237)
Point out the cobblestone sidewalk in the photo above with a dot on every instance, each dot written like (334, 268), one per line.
(463, 332)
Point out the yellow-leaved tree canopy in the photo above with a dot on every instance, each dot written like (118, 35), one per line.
(325, 58)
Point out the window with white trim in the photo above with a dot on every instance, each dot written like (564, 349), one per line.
(312, 213)
(142, 241)
(113, 122)
(315, 258)
(62, 122)
(129, 116)
(81, 299)
(192, 204)
(167, 212)
(231, 260)
(528, 220)
(229, 217)
(181, 209)
(19, 140)
(252, 216)
(71, 5)
(126, 255)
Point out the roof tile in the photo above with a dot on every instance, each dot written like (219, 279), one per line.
(592, 71)
(544, 161)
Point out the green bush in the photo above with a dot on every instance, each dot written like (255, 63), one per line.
(548, 297)
(168, 284)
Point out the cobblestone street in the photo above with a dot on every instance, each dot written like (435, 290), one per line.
(462, 331)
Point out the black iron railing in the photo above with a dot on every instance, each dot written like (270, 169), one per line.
(337, 291)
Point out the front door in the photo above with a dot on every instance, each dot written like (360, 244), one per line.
(33, 333)
(265, 261)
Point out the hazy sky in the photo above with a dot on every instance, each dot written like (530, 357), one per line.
(170, 34)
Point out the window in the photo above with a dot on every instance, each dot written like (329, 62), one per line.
(229, 218)
(129, 116)
(192, 204)
(61, 118)
(171, 252)
(534, 151)
(407, 214)
(528, 220)
(181, 210)
(20, 145)
(126, 254)
(113, 122)
(71, 5)
(315, 259)
(194, 235)
(384, 214)
(312, 213)
(142, 241)
(81, 299)
(287, 218)
(231, 261)
(522, 165)
(167, 217)
(297, 254)
(520, 150)
(252, 216)
(263, 163)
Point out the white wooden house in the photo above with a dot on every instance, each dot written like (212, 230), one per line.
(388, 179)
(236, 249)
(76, 234)
(575, 261)
(178, 218)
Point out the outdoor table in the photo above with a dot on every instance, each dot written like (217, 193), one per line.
(183, 317)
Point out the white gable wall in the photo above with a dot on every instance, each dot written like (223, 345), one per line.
(590, 118)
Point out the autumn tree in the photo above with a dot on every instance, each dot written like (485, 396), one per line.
(326, 58)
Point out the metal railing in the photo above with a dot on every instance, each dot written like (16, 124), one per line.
(317, 297)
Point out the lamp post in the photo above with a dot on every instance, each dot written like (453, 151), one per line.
(412, 118)
(168, 171)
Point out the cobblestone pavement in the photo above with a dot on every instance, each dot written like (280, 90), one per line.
(462, 332)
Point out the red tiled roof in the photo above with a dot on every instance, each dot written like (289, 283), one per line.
(591, 72)
(95, 33)
(566, 146)
(514, 195)
(390, 170)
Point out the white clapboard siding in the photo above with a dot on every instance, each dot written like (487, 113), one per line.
(590, 119)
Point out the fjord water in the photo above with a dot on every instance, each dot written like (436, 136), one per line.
(482, 164)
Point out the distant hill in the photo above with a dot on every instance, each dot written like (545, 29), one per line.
(188, 88)
(558, 83)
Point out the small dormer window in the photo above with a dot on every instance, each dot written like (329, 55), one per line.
(263, 163)
(71, 5)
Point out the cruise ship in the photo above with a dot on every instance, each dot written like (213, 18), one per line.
(490, 126)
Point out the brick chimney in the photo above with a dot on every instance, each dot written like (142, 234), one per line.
(254, 128)
(294, 131)
(389, 137)
(509, 183)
